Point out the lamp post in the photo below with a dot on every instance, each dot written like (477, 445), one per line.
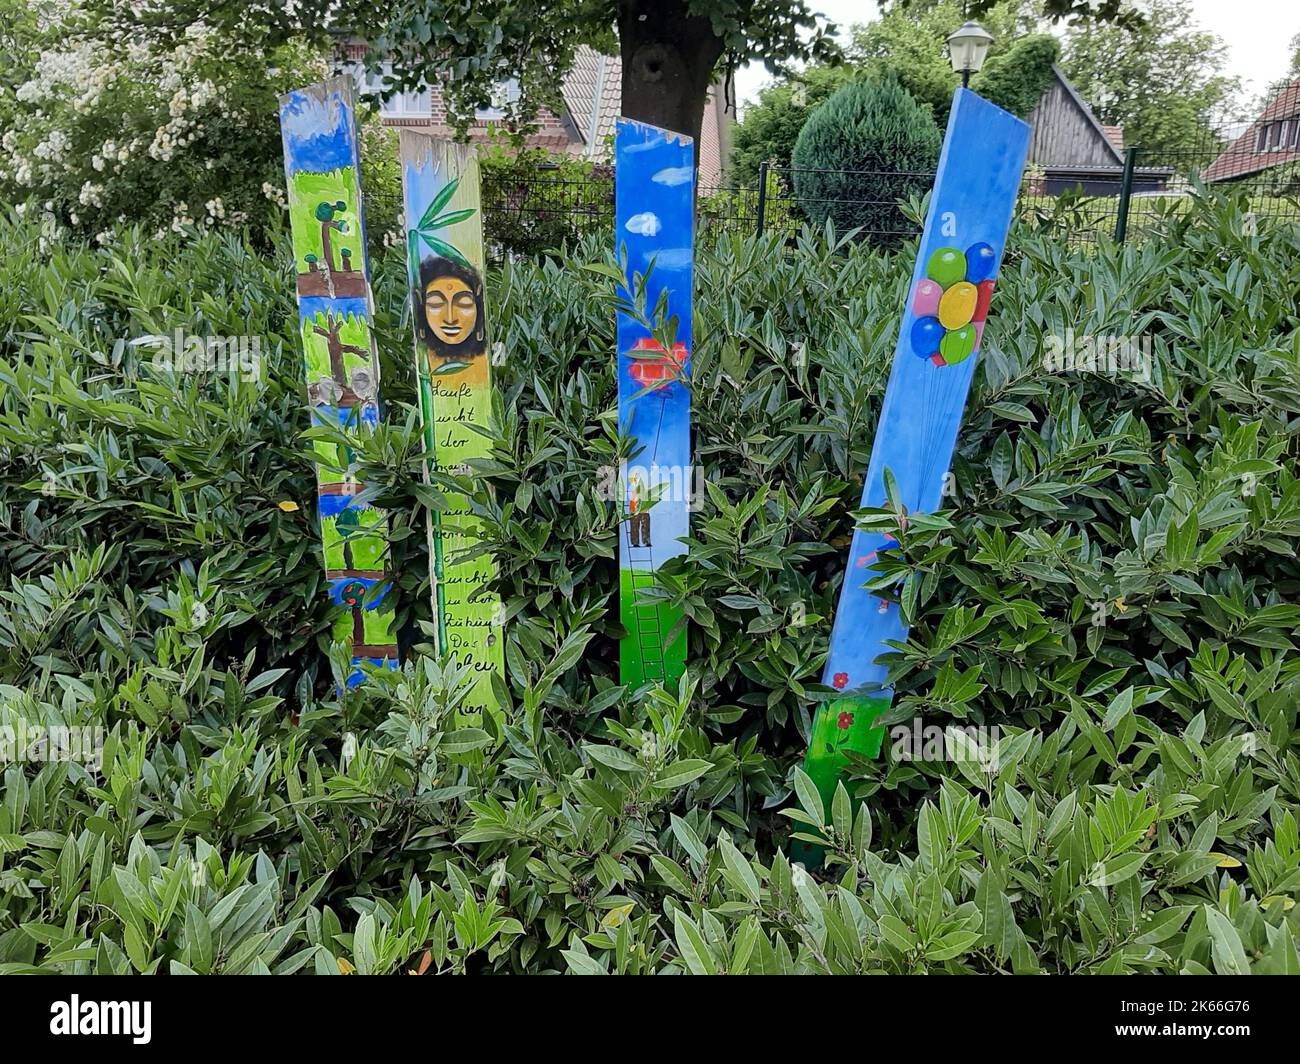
(967, 47)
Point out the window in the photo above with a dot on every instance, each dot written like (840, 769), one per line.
(1261, 138)
(406, 104)
(504, 93)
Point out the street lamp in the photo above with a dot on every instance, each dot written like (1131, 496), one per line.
(967, 47)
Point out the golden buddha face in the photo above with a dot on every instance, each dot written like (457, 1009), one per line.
(450, 309)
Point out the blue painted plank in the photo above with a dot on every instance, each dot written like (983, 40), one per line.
(961, 247)
(654, 219)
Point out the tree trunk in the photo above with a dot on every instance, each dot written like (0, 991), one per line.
(327, 252)
(337, 369)
(668, 61)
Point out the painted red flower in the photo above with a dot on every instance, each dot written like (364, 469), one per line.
(845, 721)
(841, 678)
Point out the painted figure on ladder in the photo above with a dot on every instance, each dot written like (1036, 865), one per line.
(638, 513)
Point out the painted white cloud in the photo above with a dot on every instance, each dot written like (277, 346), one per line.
(644, 224)
(672, 258)
(673, 176)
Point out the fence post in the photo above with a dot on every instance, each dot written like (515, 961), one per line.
(1125, 193)
(762, 197)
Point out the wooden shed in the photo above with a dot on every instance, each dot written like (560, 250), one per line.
(1072, 149)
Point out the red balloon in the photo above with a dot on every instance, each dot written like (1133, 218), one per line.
(983, 293)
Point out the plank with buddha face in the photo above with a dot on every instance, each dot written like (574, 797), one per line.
(445, 267)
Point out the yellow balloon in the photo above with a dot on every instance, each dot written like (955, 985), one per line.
(957, 305)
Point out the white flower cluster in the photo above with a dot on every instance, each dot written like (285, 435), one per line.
(59, 73)
(275, 194)
(181, 217)
(94, 124)
(182, 128)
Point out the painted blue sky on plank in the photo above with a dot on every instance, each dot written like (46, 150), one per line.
(317, 133)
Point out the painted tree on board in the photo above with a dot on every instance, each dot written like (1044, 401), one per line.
(335, 345)
(325, 214)
(347, 524)
(353, 595)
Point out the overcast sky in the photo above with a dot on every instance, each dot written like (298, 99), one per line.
(1256, 32)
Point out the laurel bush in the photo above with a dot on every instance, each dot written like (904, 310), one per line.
(1112, 584)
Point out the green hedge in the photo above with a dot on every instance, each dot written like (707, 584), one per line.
(1113, 586)
(867, 147)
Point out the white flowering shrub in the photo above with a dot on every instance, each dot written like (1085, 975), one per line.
(99, 131)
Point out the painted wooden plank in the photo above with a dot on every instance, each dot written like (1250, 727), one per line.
(654, 195)
(327, 230)
(445, 264)
(961, 247)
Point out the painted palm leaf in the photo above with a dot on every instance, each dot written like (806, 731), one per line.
(437, 203)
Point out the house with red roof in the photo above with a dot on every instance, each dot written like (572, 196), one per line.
(653, 366)
(583, 126)
(1269, 141)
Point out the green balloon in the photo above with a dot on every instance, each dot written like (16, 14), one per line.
(946, 267)
(957, 344)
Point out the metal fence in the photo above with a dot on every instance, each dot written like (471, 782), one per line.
(528, 216)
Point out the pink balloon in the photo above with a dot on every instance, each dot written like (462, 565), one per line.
(925, 302)
(979, 333)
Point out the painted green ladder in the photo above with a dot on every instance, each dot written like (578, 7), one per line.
(649, 630)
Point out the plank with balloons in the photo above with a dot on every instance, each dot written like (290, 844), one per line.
(941, 331)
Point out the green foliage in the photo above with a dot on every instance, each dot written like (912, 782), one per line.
(102, 130)
(381, 182)
(878, 130)
(771, 124)
(1015, 78)
(907, 42)
(468, 50)
(540, 200)
(1118, 12)
(1161, 77)
(1113, 586)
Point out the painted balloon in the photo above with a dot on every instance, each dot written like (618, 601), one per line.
(958, 344)
(980, 262)
(957, 305)
(979, 333)
(925, 302)
(947, 266)
(927, 334)
(984, 293)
